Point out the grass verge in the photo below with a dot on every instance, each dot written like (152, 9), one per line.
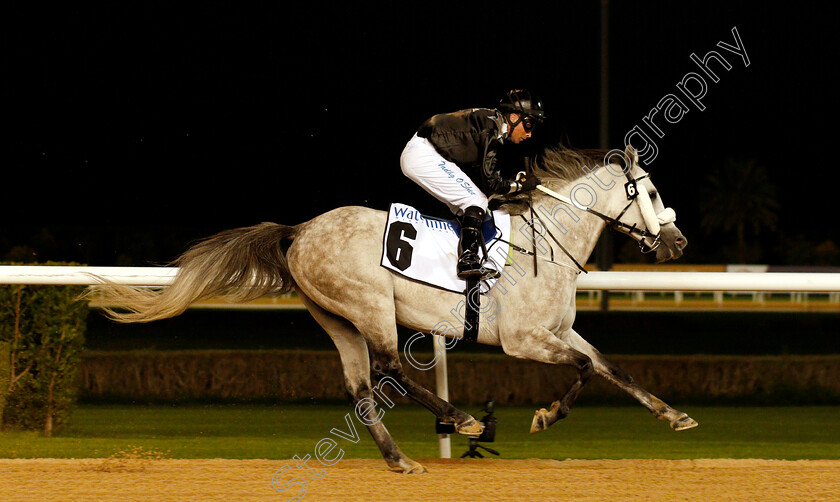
(590, 432)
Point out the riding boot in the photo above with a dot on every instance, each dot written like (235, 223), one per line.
(469, 246)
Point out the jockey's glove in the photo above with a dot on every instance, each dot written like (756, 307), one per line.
(525, 184)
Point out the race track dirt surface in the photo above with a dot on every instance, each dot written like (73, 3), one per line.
(369, 480)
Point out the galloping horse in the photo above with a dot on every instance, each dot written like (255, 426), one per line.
(333, 262)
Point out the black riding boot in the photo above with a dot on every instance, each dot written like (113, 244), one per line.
(469, 258)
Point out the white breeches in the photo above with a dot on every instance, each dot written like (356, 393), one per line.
(441, 178)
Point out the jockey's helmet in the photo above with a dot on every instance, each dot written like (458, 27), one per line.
(522, 102)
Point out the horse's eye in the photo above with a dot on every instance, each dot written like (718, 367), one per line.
(653, 195)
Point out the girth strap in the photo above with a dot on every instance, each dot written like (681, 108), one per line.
(471, 313)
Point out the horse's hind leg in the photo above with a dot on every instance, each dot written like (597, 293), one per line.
(386, 366)
(615, 375)
(355, 362)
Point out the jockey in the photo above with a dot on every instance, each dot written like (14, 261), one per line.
(452, 151)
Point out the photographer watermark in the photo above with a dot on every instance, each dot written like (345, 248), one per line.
(297, 481)
(583, 195)
(693, 88)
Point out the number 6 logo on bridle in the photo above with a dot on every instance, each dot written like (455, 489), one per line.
(630, 189)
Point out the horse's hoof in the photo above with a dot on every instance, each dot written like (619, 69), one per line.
(684, 422)
(407, 466)
(416, 468)
(540, 421)
(471, 427)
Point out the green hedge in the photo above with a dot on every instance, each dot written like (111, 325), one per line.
(4, 374)
(44, 328)
(300, 375)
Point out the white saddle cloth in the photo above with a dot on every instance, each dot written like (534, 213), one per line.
(425, 249)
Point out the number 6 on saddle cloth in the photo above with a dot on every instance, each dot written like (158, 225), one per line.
(425, 249)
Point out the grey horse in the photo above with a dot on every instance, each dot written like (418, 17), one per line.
(333, 263)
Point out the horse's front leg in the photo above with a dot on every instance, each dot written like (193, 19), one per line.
(615, 375)
(541, 345)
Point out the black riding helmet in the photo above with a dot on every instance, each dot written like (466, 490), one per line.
(525, 104)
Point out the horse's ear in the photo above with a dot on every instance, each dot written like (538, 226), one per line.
(632, 154)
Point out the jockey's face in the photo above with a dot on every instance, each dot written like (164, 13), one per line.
(523, 129)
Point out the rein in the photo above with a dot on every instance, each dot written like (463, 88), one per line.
(530, 223)
(616, 224)
(635, 192)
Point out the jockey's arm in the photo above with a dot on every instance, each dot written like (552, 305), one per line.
(500, 186)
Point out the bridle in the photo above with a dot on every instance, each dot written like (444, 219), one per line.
(653, 221)
(649, 237)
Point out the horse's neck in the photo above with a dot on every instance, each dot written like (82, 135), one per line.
(577, 230)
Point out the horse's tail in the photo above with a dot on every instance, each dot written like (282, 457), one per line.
(237, 265)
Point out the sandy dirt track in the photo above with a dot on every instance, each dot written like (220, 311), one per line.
(369, 480)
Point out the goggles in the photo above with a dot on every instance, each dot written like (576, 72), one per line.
(529, 124)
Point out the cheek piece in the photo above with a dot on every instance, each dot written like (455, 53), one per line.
(646, 206)
(653, 221)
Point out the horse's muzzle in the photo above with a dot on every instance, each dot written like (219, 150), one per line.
(673, 242)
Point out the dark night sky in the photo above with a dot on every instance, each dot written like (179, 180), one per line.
(139, 127)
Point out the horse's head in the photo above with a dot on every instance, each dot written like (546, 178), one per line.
(646, 218)
(637, 210)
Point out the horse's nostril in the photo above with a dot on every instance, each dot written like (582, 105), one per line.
(681, 242)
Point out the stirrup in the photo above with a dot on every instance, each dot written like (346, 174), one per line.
(470, 268)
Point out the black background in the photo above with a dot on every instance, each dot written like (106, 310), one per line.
(138, 127)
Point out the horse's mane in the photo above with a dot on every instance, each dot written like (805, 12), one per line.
(567, 164)
(561, 163)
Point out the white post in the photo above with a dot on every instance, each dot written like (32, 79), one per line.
(442, 389)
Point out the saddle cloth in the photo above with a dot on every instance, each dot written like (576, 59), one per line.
(425, 249)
